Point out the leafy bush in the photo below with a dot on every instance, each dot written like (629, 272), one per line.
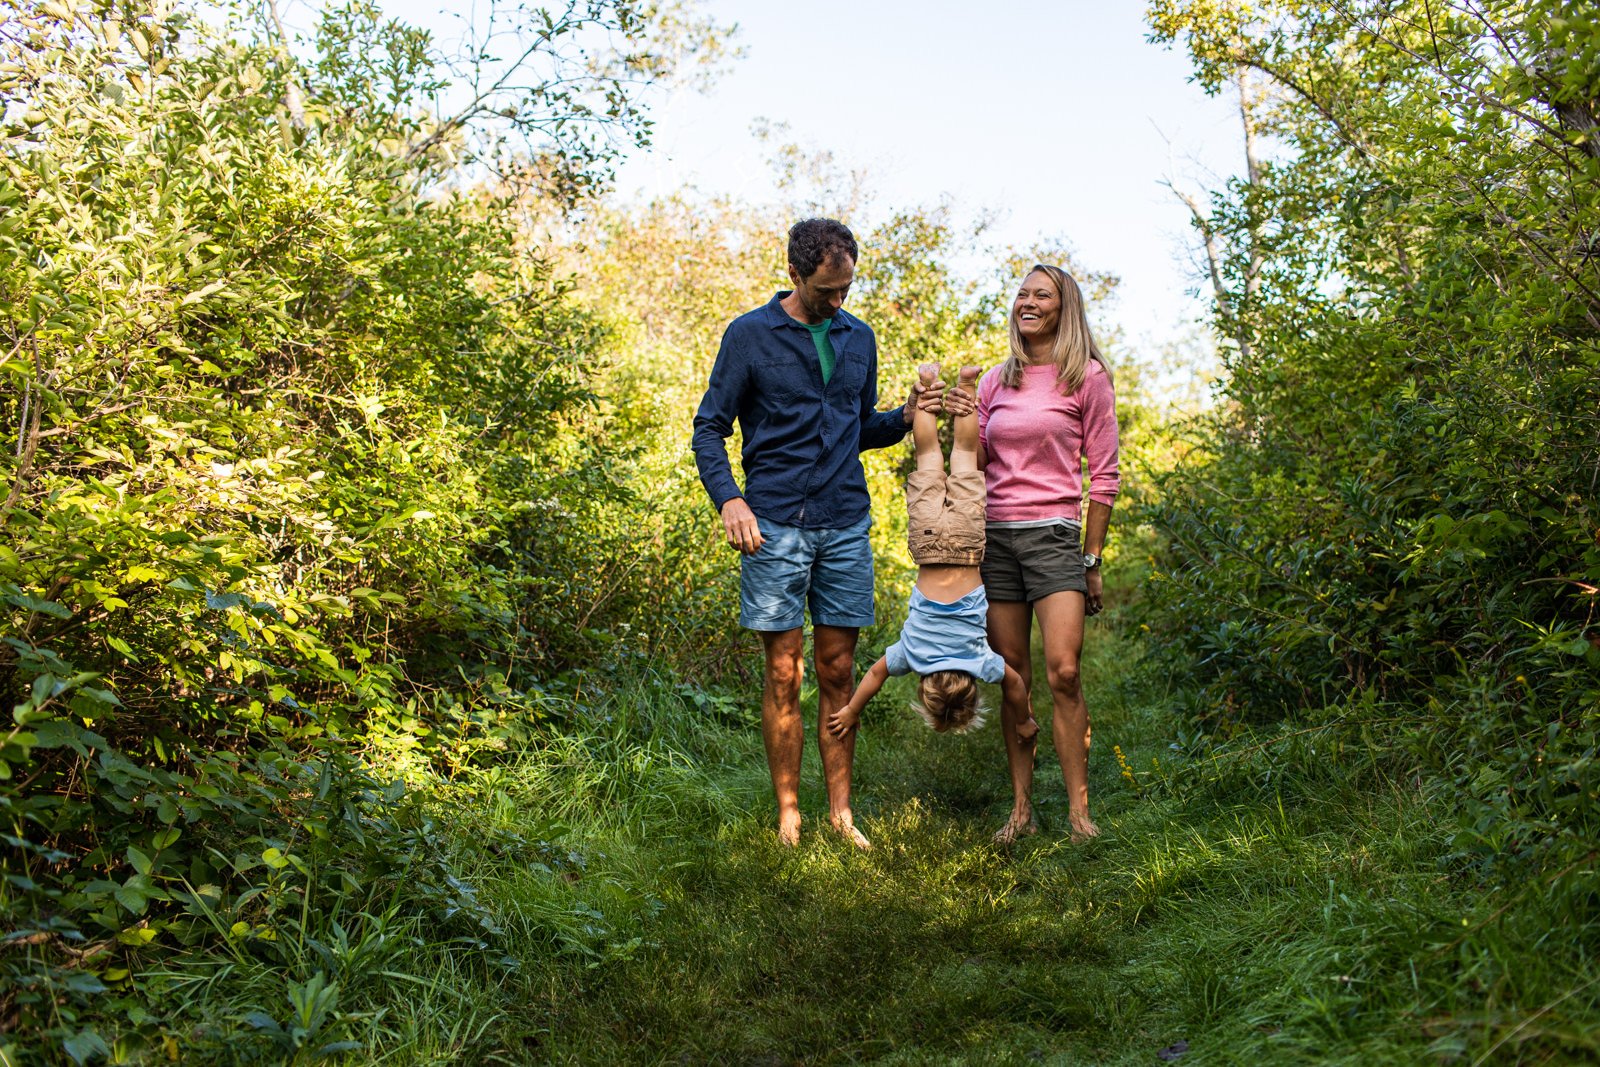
(306, 490)
(1395, 504)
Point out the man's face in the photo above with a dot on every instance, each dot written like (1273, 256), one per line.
(823, 293)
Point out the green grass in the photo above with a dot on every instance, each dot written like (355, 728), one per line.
(1299, 900)
(1281, 905)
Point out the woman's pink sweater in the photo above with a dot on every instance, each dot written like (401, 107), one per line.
(1036, 440)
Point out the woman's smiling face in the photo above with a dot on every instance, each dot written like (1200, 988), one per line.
(1037, 308)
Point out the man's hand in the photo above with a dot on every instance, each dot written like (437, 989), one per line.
(1093, 602)
(847, 718)
(740, 522)
(926, 397)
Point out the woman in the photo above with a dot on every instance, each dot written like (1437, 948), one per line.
(1049, 405)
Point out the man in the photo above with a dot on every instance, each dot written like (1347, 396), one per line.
(800, 376)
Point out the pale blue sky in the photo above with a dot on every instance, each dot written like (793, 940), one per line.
(1057, 116)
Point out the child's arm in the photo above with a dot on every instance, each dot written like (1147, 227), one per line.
(1015, 693)
(1012, 689)
(841, 722)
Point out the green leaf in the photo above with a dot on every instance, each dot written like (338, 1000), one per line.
(83, 1045)
(132, 899)
(35, 604)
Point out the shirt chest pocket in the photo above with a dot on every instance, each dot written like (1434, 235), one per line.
(782, 376)
(849, 372)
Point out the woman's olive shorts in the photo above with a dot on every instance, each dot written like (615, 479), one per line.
(1029, 563)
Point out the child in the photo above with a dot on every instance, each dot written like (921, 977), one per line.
(944, 639)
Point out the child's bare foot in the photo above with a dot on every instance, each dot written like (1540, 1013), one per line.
(789, 828)
(928, 374)
(1021, 824)
(846, 827)
(1083, 827)
(968, 381)
(1027, 729)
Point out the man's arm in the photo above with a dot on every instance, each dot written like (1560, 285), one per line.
(713, 424)
(847, 718)
(879, 429)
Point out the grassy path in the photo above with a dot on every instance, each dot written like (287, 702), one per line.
(1255, 914)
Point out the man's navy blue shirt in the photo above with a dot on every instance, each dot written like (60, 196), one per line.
(802, 440)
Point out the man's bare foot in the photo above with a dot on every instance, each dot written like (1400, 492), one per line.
(789, 828)
(846, 828)
(1083, 827)
(1027, 729)
(1021, 824)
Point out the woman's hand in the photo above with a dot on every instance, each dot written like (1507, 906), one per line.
(958, 402)
(1094, 600)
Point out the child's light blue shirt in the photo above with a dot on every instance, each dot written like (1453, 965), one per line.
(946, 637)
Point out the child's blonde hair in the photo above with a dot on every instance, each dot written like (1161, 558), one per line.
(950, 701)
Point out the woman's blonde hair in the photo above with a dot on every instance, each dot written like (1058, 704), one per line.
(1074, 346)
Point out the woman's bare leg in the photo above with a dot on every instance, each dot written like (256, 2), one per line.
(1061, 628)
(1010, 626)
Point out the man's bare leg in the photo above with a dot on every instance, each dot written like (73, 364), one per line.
(782, 731)
(835, 654)
(1010, 626)
(1061, 627)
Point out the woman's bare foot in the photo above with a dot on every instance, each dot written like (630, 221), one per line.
(1021, 824)
(846, 828)
(789, 828)
(1083, 827)
(1027, 729)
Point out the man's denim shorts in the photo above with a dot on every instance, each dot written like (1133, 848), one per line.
(828, 571)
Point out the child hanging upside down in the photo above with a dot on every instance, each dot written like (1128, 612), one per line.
(944, 639)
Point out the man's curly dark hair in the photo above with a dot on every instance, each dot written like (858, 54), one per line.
(812, 242)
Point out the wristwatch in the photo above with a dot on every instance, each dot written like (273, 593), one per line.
(1090, 561)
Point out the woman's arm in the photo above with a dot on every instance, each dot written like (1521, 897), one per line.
(848, 717)
(1094, 540)
(1100, 448)
(1100, 441)
(1095, 525)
